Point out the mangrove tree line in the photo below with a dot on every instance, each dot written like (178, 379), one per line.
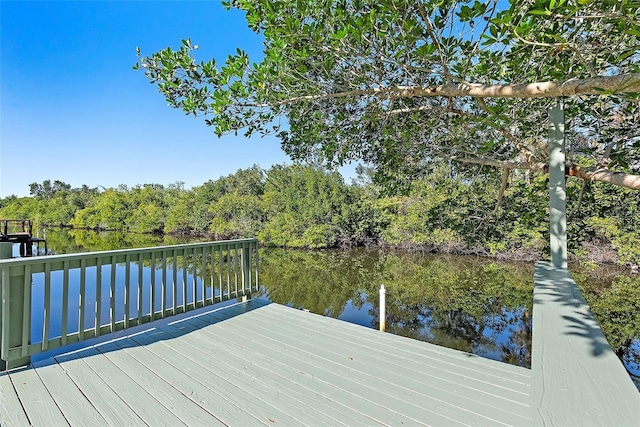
(453, 210)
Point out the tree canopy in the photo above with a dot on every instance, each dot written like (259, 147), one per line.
(400, 83)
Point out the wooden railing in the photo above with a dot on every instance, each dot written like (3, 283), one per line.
(52, 301)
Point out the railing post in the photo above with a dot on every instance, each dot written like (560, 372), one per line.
(246, 271)
(6, 252)
(12, 290)
(383, 308)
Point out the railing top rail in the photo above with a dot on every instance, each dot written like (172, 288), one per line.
(133, 251)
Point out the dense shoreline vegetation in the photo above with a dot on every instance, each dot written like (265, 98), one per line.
(448, 210)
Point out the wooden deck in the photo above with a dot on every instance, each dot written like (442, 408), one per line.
(272, 365)
(577, 378)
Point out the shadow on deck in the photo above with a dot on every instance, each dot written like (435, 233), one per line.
(577, 377)
(272, 365)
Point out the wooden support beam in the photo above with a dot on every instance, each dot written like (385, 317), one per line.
(557, 187)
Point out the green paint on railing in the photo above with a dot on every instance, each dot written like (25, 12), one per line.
(233, 263)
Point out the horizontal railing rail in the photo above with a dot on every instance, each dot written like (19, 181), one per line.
(52, 301)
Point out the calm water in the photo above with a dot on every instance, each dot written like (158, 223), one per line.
(467, 303)
(459, 302)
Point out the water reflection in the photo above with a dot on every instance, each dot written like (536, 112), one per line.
(62, 241)
(466, 303)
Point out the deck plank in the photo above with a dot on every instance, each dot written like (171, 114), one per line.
(282, 389)
(478, 377)
(237, 392)
(205, 395)
(73, 404)
(39, 405)
(111, 407)
(11, 412)
(324, 394)
(184, 408)
(465, 363)
(359, 395)
(578, 379)
(420, 406)
(261, 364)
(386, 377)
(138, 398)
(232, 368)
(425, 382)
(215, 401)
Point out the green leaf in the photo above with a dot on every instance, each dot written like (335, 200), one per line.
(425, 50)
(633, 30)
(545, 12)
(602, 90)
(625, 55)
(488, 40)
(341, 34)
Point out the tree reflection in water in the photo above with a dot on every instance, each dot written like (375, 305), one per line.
(466, 303)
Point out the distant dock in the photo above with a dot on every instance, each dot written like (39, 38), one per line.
(20, 231)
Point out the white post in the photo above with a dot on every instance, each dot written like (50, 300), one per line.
(557, 187)
(383, 313)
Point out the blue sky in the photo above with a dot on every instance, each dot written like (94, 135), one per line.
(73, 109)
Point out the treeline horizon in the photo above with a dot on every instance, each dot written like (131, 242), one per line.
(450, 209)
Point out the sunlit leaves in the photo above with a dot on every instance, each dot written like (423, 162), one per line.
(321, 57)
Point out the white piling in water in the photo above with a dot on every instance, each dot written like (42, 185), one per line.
(383, 310)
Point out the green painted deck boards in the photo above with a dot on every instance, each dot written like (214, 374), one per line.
(264, 364)
(258, 363)
(577, 378)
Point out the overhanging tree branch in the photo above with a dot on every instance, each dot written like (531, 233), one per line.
(620, 84)
(621, 179)
(537, 166)
(347, 76)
